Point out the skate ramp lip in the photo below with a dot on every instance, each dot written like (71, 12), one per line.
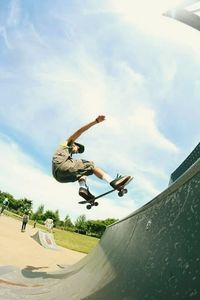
(152, 254)
(45, 239)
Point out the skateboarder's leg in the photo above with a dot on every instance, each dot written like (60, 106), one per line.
(89, 168)
(115, 183)
(102, 175)
(83, 189)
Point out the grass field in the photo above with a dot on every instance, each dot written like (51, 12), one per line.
(66, 239)
(74, 241)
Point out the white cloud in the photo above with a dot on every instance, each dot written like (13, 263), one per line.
(148, 17)
(4, 74)
(135, 77)
(169, 69)
(146, 186)
(4, 35)
(14, 13)
(144, 122)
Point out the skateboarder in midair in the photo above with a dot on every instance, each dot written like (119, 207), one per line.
(67, 169)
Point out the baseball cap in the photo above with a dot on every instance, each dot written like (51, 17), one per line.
(81, 147)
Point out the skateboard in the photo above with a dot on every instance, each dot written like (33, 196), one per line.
(92, 202)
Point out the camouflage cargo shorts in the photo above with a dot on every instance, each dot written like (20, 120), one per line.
(72, 170)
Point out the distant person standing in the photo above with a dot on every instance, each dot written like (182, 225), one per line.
(25, 220)
(49, 225)
(4, 205)
(34, 224)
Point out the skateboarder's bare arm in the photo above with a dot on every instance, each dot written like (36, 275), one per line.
(76, 134)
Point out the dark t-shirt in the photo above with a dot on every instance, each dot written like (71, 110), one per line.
(66, 169)
(25, 218)
(61, 155)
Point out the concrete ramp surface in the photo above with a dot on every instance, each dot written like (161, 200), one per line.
(45, 239)
(153, 254)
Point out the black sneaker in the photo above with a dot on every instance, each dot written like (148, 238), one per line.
(119, 181)
(85, 193)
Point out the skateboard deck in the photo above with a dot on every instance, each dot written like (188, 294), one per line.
(92, 202)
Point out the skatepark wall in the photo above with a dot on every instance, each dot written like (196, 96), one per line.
(186, 164)
(152, 254)
(186, 13)
(45, 239)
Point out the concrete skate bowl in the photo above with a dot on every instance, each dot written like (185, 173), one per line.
(45, 239)
(152, 254)
(186, 12)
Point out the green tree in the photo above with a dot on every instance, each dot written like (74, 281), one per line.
(38, 215)
(4, 195)
(108, 221)
(49, 214)
(81, 224)
(68, 222)
(25, 205)
(96, 227)
(57, 217)
(13, 205)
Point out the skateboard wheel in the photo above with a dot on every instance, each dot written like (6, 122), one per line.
(96, 203)
(88, 206)
(121, 193)
(125, 191)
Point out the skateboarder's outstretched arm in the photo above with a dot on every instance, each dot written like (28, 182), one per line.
(76, 134)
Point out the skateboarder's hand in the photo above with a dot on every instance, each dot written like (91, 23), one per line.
(100, 118)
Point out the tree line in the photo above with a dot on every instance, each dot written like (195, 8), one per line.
(81, 225)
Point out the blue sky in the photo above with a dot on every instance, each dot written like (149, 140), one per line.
(62, 63)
